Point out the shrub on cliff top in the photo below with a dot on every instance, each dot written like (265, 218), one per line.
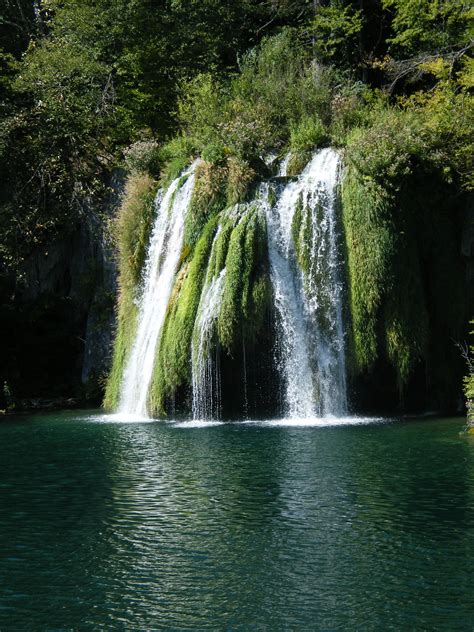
(143, 157)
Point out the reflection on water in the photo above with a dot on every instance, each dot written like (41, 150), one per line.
(191, 525)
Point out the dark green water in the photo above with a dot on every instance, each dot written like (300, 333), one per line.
(146, 526)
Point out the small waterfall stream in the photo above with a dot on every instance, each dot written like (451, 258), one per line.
(163, 256)
(205, 370)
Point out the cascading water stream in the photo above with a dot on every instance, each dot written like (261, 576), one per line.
(323, 282)
(160, 269)
(294, 363)
(309, 302)
(205, 371)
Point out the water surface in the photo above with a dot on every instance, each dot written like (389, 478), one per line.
(238, 526)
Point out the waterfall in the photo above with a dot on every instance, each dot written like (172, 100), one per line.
(309, 301)
(160, 269)
(306, 275)
(324, 280)
(293, 356)
(205, 371)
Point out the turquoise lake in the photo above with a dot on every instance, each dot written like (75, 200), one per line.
(235, 526)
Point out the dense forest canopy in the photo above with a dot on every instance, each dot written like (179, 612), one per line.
(87, 86)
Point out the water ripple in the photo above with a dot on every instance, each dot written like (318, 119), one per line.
(235, 526)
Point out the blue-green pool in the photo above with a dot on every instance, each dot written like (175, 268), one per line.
(237, 526)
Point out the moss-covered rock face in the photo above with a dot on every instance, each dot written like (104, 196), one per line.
(405, 280)
(244, 289)
(234, 239)
(369, 235)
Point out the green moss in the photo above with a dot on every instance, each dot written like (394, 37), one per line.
(302, 233)
(246, 265)
(405, 314)
(407, 298)
(239, 180)
(221, 246)
(132, 228)
(172, 365)
(370, 243)
(124, 337)
(272, 195)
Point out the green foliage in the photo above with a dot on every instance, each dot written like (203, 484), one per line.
(445, 117)
(201, 109)
(469, 383)
(81, 80)
(384, 151)
(172, 364)
(352, 107)
(132, 233)
(278, 93)
(47, 140)
(307, 134)
(336, 29)
(143, 157)
(175, 156)
(428, 24)
(239, 180)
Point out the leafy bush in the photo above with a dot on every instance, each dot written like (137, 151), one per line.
(143, 157)
(307, 134)
(175, 156)
(260, 108)
(385, 151)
